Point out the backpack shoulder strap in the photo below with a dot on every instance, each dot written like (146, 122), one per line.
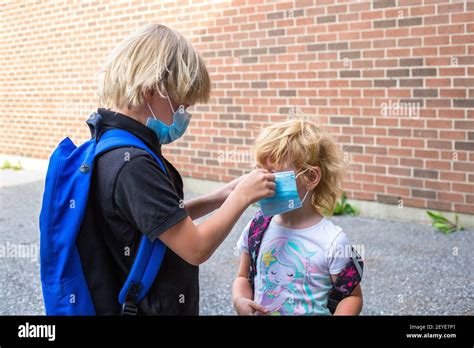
(347, 280)
(257, 228)
(120, 138)
(150, 254)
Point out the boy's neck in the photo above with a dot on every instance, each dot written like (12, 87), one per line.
(303, 217)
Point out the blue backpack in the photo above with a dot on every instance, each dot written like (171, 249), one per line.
(64, 285)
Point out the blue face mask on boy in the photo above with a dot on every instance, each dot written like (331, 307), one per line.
(286, 196)
(167, 134)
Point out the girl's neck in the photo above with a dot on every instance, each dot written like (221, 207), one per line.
(303, 217)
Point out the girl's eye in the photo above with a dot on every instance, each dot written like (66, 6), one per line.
(290, 274)
(273, 272)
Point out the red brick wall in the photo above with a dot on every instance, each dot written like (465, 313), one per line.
(393, 79)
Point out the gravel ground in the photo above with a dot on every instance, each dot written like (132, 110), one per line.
(410, 269)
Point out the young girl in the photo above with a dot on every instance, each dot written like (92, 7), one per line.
(301, 252)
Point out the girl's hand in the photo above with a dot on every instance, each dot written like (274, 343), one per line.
(245, 306)
(257, 184)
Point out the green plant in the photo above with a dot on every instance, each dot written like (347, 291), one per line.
(344, 208)
(442, 223)
(8, 165)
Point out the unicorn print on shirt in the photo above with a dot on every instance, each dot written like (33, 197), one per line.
(285, 284)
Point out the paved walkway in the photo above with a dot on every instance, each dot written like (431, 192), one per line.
(410, 268)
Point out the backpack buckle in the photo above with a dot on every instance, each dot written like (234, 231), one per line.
(129, 306)
(332, 304)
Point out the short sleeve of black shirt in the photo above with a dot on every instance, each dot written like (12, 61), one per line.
(145, 196)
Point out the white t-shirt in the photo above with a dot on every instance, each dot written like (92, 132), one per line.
(294, 267)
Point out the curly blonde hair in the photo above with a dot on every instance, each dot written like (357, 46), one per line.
(302, 144)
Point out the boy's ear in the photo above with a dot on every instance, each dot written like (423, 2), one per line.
(148, 95)
(313, 176)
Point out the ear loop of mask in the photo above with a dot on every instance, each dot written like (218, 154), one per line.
(171, 105)
(169, 101)
(149, 107)
(307, 191)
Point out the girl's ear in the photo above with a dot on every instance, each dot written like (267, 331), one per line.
(313, 176)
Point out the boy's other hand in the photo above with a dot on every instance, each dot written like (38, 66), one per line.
(258, 184)
(245, 306)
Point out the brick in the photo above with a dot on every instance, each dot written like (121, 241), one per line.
(287, 93)
(234, 108)
(425, 133)
(276, 32)
(276, 15)
(424, 72)
(350, 55)
(466, 60)
(424, 194)
(349, 74)
(450, 8)
(354, 149)
(337, 9)
(464, 125)
(277, 50)
(425, 10)
(463, 187)
(261, 50)
(225, 100)
(388, 199)
(462, 39)
(387, 23)
(208, 38)
(421, 173)
(249, 60)
(425, 93)
(325, 19)
(385, 83)
(411, 61)
(340, 120)
(409, 22)
(464, 82)
(259, 84)
(463, 103)
(317, 47)
(439, 144)
(411, 83)
(398, 72)
(438, 205)
(436, 20)
(338, 46)
(383, 4)
(462, 17)
(464, 145)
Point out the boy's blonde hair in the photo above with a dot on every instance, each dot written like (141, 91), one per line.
(158, 59)
(301, 145)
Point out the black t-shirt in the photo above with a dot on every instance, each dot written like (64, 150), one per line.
(130, 196)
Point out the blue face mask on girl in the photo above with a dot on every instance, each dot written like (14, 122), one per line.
(286, 197)
(167, 134)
